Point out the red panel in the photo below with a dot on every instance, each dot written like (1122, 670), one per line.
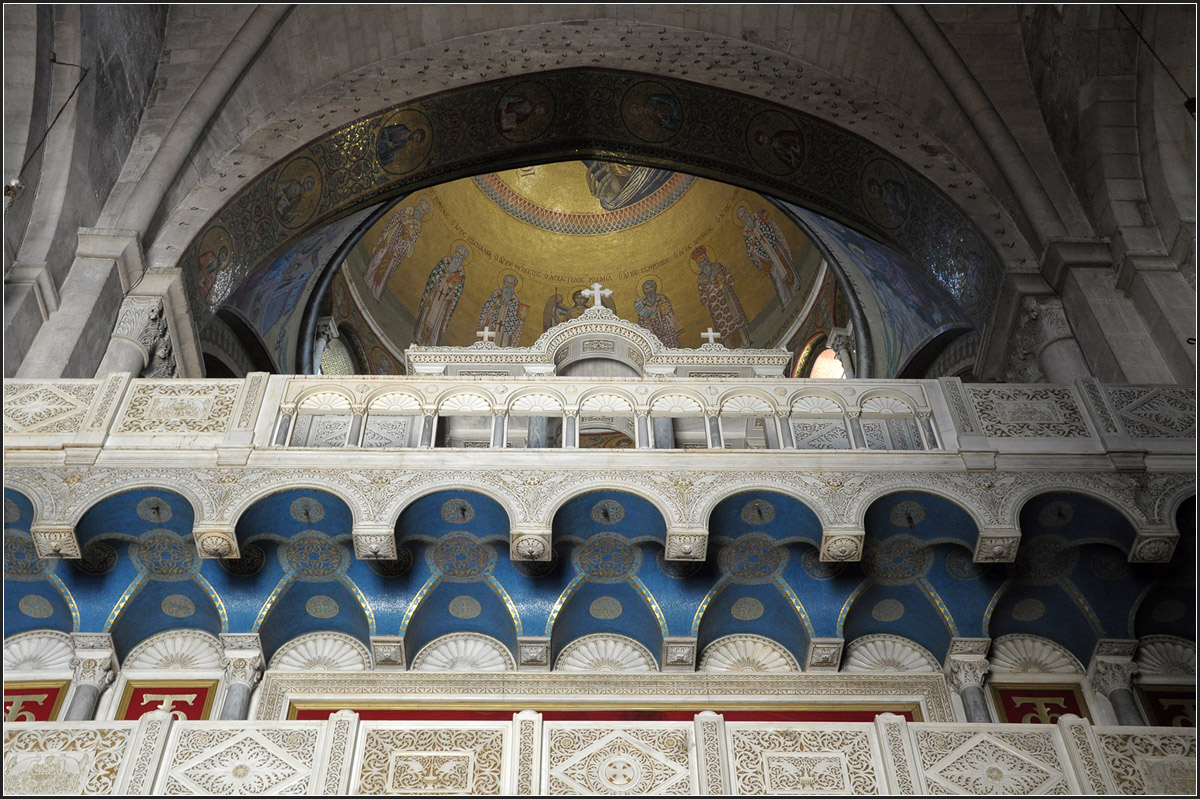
(1169, 705)
(1037, 704)
(186, 701)
(432, 714)
(32, 701)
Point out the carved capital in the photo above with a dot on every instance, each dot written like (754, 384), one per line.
(533, 653)
(94, 669)
(243, 670)
(530, 544)
(1153, 548)
(216, 542)
(963, 671)
(824, 654)
(142, 321)
(388, 652)
(679, 653)
(996, 548)
(1109, 674)
(841, 545)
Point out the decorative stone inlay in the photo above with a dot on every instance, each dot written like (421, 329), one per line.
(607, 558)
(898, 559)
(464, 652)
(907, 514)
(1146, 763)
(431, 760)
(35, 606)
(887, 610)
(457, 511)
(793, 759)
(746, 609)
(321, 606)
(883, 653)
(747, 653)
(1155, 412)
(207, 759)
(752, 559)
(1026, 412)
(461, 558)
(178, 606)
(44, 408)
(601, 760)
(154, 509)
(180, 407)
(65, 760)
(758, 511)
(306, 510)
(605, 608)
(978, 763)
(605, 652)
(1028, 610)
(164, 556)
(608, 511)
(1044, 559)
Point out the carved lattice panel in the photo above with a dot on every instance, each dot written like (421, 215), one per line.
(652, 759)
(320, 430)
(1000, 760)
(805, 759)
(820, 434)
(259, 760)
(388, 431)
(66, 761)
(432, 758)
(1149, 763)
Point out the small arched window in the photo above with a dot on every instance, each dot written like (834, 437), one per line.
(827, 366)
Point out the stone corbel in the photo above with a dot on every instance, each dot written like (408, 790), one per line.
(1153, 546)
(533, 653)
(122, 247)
(687, 543)
(824, 654)
(55, 540)
(388, 652)
(216, 541)
(374, 542)
(530, 543)
(997, 545)
(678, 653)
(968, 647)
(839, 544)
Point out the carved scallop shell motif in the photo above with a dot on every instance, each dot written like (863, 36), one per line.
(606, 403)
(605, 652)
(886, 405)
(817, 405)
(1166, 655)
(178, 649)
(325, 401)
(325, 651)
(395, 403)
(537, 402)
(1021, 653)
(39, 650)
(464, 652)
(888, 653)
(745, 406)
(466, 403)
(676, 403)
(747, 653)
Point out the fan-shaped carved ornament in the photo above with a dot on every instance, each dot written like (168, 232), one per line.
(1021, 653)
(534, 403)
(325, 401)
(464, 404)
(816, 405)
(176, 649)
(464, 652)
(747, 653)
(324, 651)
(883, 653)
(395, 403)
(605, 652)
(1166, 655)
(887, 406)
(746, 405)
(606, 403)
(676, 404)
(38, 650)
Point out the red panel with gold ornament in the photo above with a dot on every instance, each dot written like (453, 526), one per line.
(1038, 703)
(1169, 705)
(34, 701)
(186, 700)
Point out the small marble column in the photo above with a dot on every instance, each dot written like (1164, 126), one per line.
(771, 432)
(664, 432)
(966, 675)
(643, 430)
(499, 429)
(858, 440)
(286, 412)
(92, 672)
(571, 430)
(427, 430)
(354, 439)
(536, 438)
(1114, 679)
(786, 439)
(714, 431)
(243, 670)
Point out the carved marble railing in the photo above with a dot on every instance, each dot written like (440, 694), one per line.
(529, 755)
(835, 445)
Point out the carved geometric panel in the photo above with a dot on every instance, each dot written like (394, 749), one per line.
(388, 431)
(180, 406)
(429, 758)
(805, 759)
(653, 759)
(320, 430)
(820, 434)
(204, 758)
(1014, 412)
(1156, 412)
(46, 407)
(64, 760)
(1150, 763)
(958, 761)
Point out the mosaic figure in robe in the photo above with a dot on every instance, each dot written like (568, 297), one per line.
(395, 244)
(769, 250)
(656, 314)
(716, 293)
(443, 290)
(504, 313)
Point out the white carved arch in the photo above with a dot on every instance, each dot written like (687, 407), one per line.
(605, 652)
(663, 504)
(911, 483)
(1166, 656)
(1116, 500)
(747, 653)
(92, 493)
(313, 481)
(887, 405)
(322, 651)
(180, 650)
(43, 501)
(882, 653)
(325, 401)
(1021, 653)
(38, 650)
(606, 403)
(594, 322)
(746, 405)
(464, 652)
(817, 404)
(395, 402)
(424, 486)
(715, 495)
(465, 404)
(676, 405)
(535, 405)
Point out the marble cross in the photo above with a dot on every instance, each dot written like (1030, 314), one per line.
(711, 335)
(595, 292)
(486, 335)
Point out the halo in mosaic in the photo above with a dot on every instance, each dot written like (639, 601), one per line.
(164, 556)
(457, 511)
(898, 560)
(1168, 611)
(11, 512)
(607, 511)
(607, 558)
(312, 557)
(817, 569)
(307, 510)
(320, 606)
(536, 568)
(746, 609)
(907, 514)
(465, 607)
(758, 511)
(251, 562)
(98, 558)
(154, 509)
(887, 610)
(753, 558)
(21, 561)
(460, 558)
(1028, 610)
(678, 569)
(1056, 514)
(1046, 557)
(178, 606)
(961, 566)
(36, 607)
(1109, 564)
(605, 608)
(393, 568)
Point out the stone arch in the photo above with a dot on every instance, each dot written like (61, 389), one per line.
(553, 504)
(464, 652)
(380, 395)
(316, 481)
(325, 397)
(180, 649)
(883, 652)
(746, 652)
(1021, 499)
(681, 391)
(605, 652)
(321, 651)
(799, 396)
(464, 482)
(553, 394)
(167, 481)
(865, 499)
(702, 515)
